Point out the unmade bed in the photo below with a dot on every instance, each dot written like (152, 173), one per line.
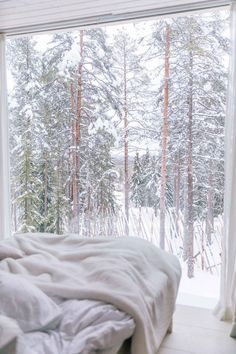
(71, 295)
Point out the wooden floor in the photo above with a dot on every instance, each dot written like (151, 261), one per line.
(197, 331)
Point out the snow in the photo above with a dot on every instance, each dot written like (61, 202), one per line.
(201, 291)
(30, 86)
(203, 283)
(105, 125)
(71, 58)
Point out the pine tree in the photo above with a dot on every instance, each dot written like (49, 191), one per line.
(23, 125)
(131, 75)
(55, 121)
(164, 139)
(92, 125)
(136, 184)
(193, 119)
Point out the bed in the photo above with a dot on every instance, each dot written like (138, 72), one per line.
(61, 294)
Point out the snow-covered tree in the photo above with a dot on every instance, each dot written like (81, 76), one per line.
(136, 184)
(24, 63)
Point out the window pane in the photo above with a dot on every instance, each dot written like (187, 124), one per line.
(120, 131)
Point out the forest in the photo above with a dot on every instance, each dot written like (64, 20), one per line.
(119, 131)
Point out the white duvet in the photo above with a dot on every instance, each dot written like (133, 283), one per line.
(104, 274)
(86, 327)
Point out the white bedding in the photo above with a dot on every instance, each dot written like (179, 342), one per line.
(87, 327)
(128, 273)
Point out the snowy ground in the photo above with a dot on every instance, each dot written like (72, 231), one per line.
(201, 291)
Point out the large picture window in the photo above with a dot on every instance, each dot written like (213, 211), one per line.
(119, 131)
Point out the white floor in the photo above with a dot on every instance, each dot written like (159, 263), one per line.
(197, 331)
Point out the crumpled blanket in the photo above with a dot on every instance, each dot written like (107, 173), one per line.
(87, 327)
(131, 274)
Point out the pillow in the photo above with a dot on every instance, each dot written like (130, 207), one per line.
(9, 330)
(27, 304)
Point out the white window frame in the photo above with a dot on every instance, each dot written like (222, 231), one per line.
(5, 213)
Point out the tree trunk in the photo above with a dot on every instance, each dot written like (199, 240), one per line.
(126, 146)
(14, 206)
(58, 203)
(177, 191)
(203, 249)
(210, 217)
(164, 140)
(186, 217)
(45, 189)
(76, 136)
(72, 152)
(190, 166)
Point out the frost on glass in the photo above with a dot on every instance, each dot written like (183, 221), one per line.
(119, 131)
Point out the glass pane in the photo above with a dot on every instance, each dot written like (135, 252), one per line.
(119, 131)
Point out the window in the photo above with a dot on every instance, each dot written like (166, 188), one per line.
(120, 131)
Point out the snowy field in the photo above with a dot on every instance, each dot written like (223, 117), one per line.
(200, 291)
